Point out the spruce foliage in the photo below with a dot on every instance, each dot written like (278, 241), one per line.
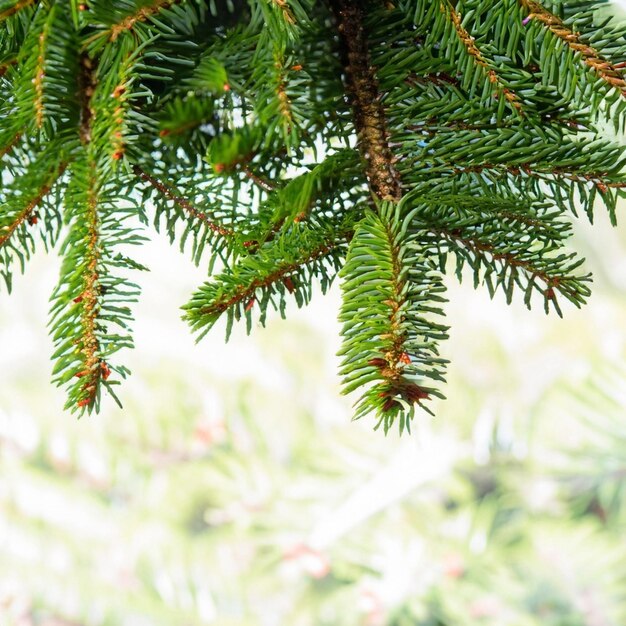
(281, 142)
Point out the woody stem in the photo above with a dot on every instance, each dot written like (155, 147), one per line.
(365, 99)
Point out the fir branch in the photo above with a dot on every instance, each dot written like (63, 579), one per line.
(608, 72)
(525, 220)
(223, 114)
(479, 247)
(26, 213)
(540, 218)
(16, 8)
(90, 314)
(389, 347)
(365, 99)
(432, 126)
(246, 293)
(492, 249)
(184, 204)
(82, 309)
(473, 51)
(385, 291)
(567, 187)
(284, 265)
(89, 346)
(141, 15)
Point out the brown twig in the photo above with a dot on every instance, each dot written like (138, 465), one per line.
(266, 185)
(89, 299)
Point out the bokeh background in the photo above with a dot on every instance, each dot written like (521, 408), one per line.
(233, 489)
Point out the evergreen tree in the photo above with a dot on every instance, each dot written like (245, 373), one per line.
(283, 142)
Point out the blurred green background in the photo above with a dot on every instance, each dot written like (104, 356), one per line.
(234, 490)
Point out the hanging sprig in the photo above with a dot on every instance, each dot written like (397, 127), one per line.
(507, 247)
(90, 315)
(389, 346)
(91, 368)
(391, 295)
(282, 268)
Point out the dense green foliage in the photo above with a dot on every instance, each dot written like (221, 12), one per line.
(276, 138)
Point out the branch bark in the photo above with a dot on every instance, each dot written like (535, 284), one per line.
(365, 98)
